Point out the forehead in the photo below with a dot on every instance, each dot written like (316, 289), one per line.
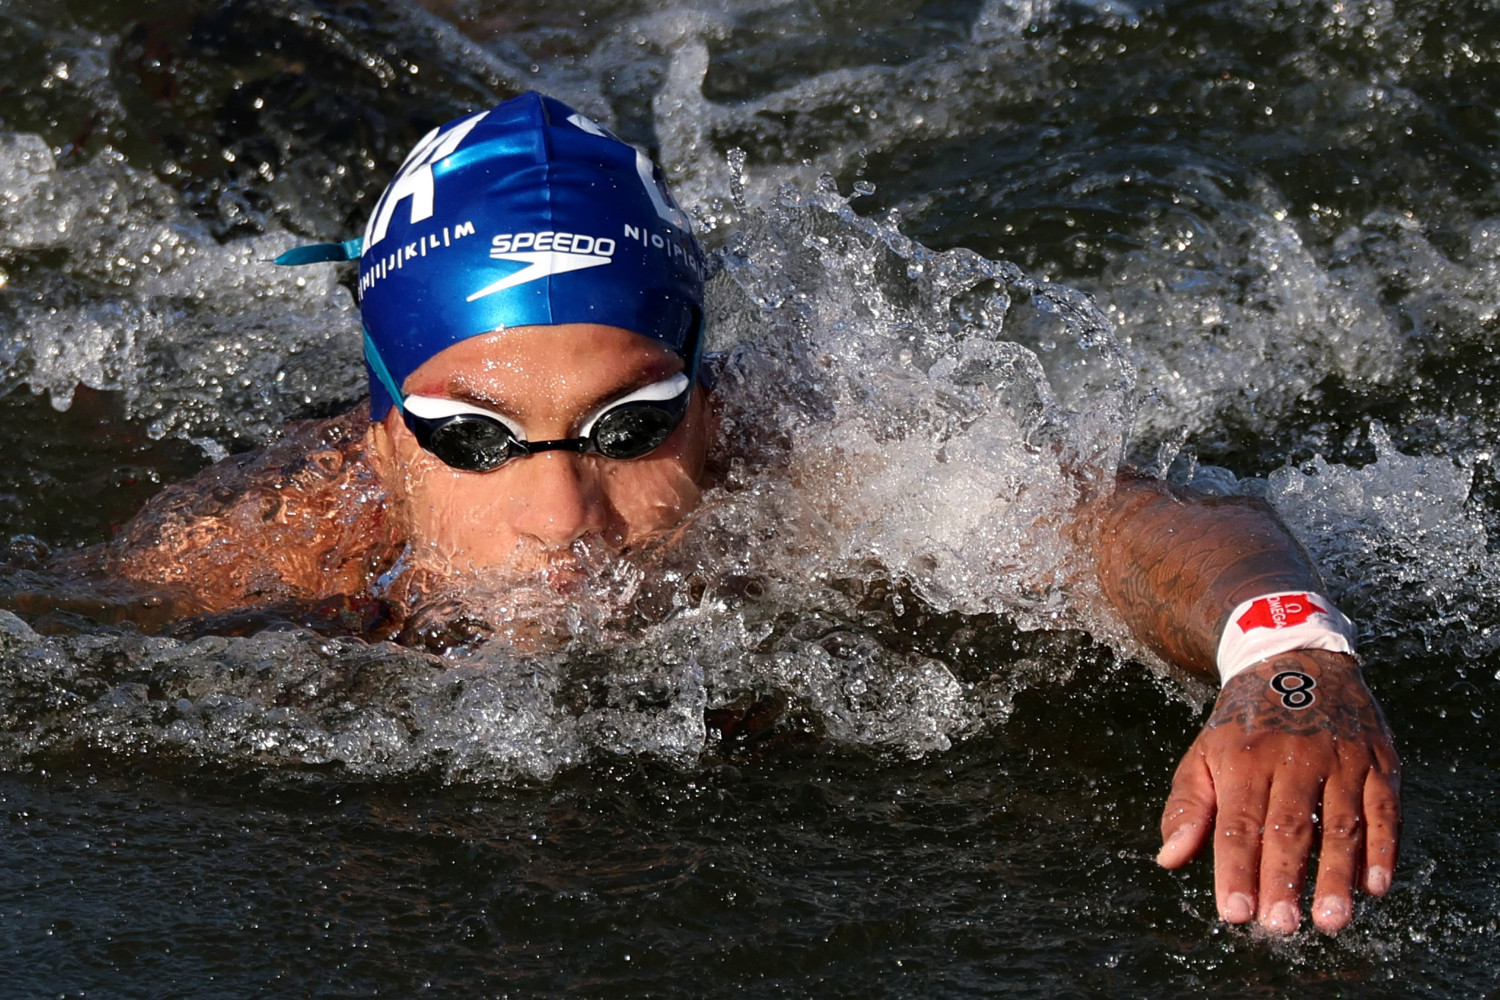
(522, 367)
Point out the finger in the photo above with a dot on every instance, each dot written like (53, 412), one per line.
(1382, 802)
(1339, 854)
(1188, 815)
(1237, 846)
(1286, 844)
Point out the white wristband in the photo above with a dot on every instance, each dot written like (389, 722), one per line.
(1279, 623)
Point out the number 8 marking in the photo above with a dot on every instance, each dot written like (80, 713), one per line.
(1295, 689)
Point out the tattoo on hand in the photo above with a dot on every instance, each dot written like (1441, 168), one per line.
(1281, 702)
(1295, 688)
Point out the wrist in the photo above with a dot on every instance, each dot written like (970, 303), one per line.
(1320, 663)
(1277, 623)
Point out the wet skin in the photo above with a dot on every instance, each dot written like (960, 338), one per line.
(539, 514)
(321, 517)
(1324, 774)
(1264, 783)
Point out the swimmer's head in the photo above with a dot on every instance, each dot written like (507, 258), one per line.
(528, 214)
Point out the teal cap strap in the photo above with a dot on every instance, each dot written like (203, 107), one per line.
(381, 372)
(318, 253)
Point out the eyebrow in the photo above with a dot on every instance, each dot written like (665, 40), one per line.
(459, 390)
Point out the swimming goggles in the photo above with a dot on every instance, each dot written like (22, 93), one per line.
(466, 437)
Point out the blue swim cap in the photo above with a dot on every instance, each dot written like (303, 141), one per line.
(527, 214)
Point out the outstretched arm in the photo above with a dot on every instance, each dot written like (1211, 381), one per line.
(1296, 750)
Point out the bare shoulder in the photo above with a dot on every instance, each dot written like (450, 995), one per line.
(301, 519)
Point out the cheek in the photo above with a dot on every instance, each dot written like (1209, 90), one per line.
(650, 494)
(437, 504)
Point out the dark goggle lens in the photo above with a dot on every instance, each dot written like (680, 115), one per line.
(473, 444)
(477, 443)
(634, 429)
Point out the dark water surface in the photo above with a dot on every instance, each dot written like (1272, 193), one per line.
(1017, 865)
(1288, 215)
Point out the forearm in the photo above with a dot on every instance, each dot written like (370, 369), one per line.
(1296, 755)
(1174, 563)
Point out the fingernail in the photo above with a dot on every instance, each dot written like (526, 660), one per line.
(1332, 910)
(1238, 908)
(1283, 917)
(1377, 880)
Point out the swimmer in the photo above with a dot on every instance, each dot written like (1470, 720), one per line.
(532, 300)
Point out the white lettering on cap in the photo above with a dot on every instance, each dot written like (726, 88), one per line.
(414, 179)
(659, 199)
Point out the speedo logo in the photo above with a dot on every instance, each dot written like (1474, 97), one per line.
(506, 243)
(545, 253)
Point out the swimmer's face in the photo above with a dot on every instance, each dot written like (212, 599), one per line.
(536, 513)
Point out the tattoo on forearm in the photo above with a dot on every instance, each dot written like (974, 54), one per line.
(1174, 563)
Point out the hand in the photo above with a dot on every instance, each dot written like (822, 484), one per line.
(1296, 750)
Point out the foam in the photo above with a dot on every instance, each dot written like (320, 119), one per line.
(1408, 555)
(201, 338)
(871, 433)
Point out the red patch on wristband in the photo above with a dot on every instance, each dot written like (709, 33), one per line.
(1279, 612)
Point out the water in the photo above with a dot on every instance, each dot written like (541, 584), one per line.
(862, 732)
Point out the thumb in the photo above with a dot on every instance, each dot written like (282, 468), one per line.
(1188, 818)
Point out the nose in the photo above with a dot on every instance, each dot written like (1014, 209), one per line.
(557, 498)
